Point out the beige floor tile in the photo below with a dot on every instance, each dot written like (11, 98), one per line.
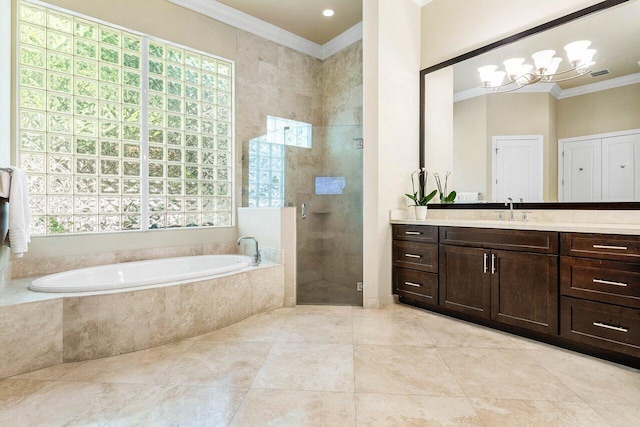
(311, 367)
(329, 310)
(182, 406)
(618, 415)
(13, 391)
(502, 373)
(402, 370)
(258, 328)
(284, 311)
(317, 328)
(449, 332)
(221, 364)
(389, 331)
(74, 403)
(536, 413)
(296, 408)
(594, 380)
(387, 410)
(392, 310)
(140, 367)
(49, 374)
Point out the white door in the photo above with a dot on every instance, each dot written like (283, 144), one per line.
(517, 168)
(620, 168)
(582, 171)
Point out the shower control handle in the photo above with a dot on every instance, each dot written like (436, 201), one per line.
(304, 211)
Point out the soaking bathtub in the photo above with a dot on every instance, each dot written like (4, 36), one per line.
(140, 273)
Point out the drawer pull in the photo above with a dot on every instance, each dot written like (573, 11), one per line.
(607, 282)
(413, 233)
(415, 285)
(484, 270)
(619, 248)
(493, 264)
(412, 256)
(614, 328)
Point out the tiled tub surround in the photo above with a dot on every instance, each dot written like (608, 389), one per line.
(41, 330)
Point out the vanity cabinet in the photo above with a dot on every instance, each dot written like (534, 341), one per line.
(518, 286)
(600, 287)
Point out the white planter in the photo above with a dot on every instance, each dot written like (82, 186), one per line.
(421, 213)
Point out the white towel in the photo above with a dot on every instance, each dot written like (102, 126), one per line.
(467, 196)
(19, 213)
(5, 183)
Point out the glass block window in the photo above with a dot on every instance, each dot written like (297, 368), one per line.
(82, 115)
(266, 173)
(289, 132)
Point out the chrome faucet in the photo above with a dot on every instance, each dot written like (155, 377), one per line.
(509, 202)
(257, 258)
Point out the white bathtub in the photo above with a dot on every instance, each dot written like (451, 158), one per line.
(140, 273)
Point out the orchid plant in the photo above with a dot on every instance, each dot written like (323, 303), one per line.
(422, 179)
(444, 197)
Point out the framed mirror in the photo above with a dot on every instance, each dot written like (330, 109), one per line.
(539, 118)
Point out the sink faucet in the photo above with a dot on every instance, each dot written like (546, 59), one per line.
(257, 258)
(509, 202)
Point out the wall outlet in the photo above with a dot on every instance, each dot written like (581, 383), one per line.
(359, 286)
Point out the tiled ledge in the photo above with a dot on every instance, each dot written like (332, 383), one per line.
(71, 327)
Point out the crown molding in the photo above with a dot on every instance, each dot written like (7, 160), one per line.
(629, 79)
(341, 41)
(555, 90)
(253, 25)
(421, 2)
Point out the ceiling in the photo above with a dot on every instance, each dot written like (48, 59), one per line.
(304, 17)
(614, 33)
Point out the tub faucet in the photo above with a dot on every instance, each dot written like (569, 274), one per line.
(509, 202)
(257, 258)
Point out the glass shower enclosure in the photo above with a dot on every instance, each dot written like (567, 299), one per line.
(318, 170)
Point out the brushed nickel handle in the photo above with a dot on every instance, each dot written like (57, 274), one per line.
(485, 256)
(620, 248)
(415, 285)
(412, 256)
(413, 233)
(614, 328)
(493, 263)
(608, 282)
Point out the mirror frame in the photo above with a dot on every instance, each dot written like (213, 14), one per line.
(508, 40)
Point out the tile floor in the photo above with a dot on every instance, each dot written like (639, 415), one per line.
(333, 366)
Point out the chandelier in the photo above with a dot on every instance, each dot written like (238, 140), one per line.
(545, 68)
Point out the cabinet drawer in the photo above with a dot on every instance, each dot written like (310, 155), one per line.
(602, 325)
(606, 281)
(416, 284)
(491, 238)
(602, 246)
(416, 233)
(416, 256)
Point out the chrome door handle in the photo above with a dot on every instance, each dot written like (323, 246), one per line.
(620, 248)
(493, 263)
(304, 211)
(415, 285)
(614, 328)
(607, 282)
(412, 256)
(485, 257)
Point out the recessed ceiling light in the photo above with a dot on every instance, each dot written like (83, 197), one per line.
(328, 12)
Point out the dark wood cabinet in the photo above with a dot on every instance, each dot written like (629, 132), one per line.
(524, 290)
(465, 285)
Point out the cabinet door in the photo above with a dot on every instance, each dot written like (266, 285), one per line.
(524, 290)
(465, 280)
(620, 164)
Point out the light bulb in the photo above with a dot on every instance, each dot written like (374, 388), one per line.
(486, 74)
(586, 57)
(513, 66)
(575, 50)
(497, 78)
(552, 68)
(328, 12)
(542, 60)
